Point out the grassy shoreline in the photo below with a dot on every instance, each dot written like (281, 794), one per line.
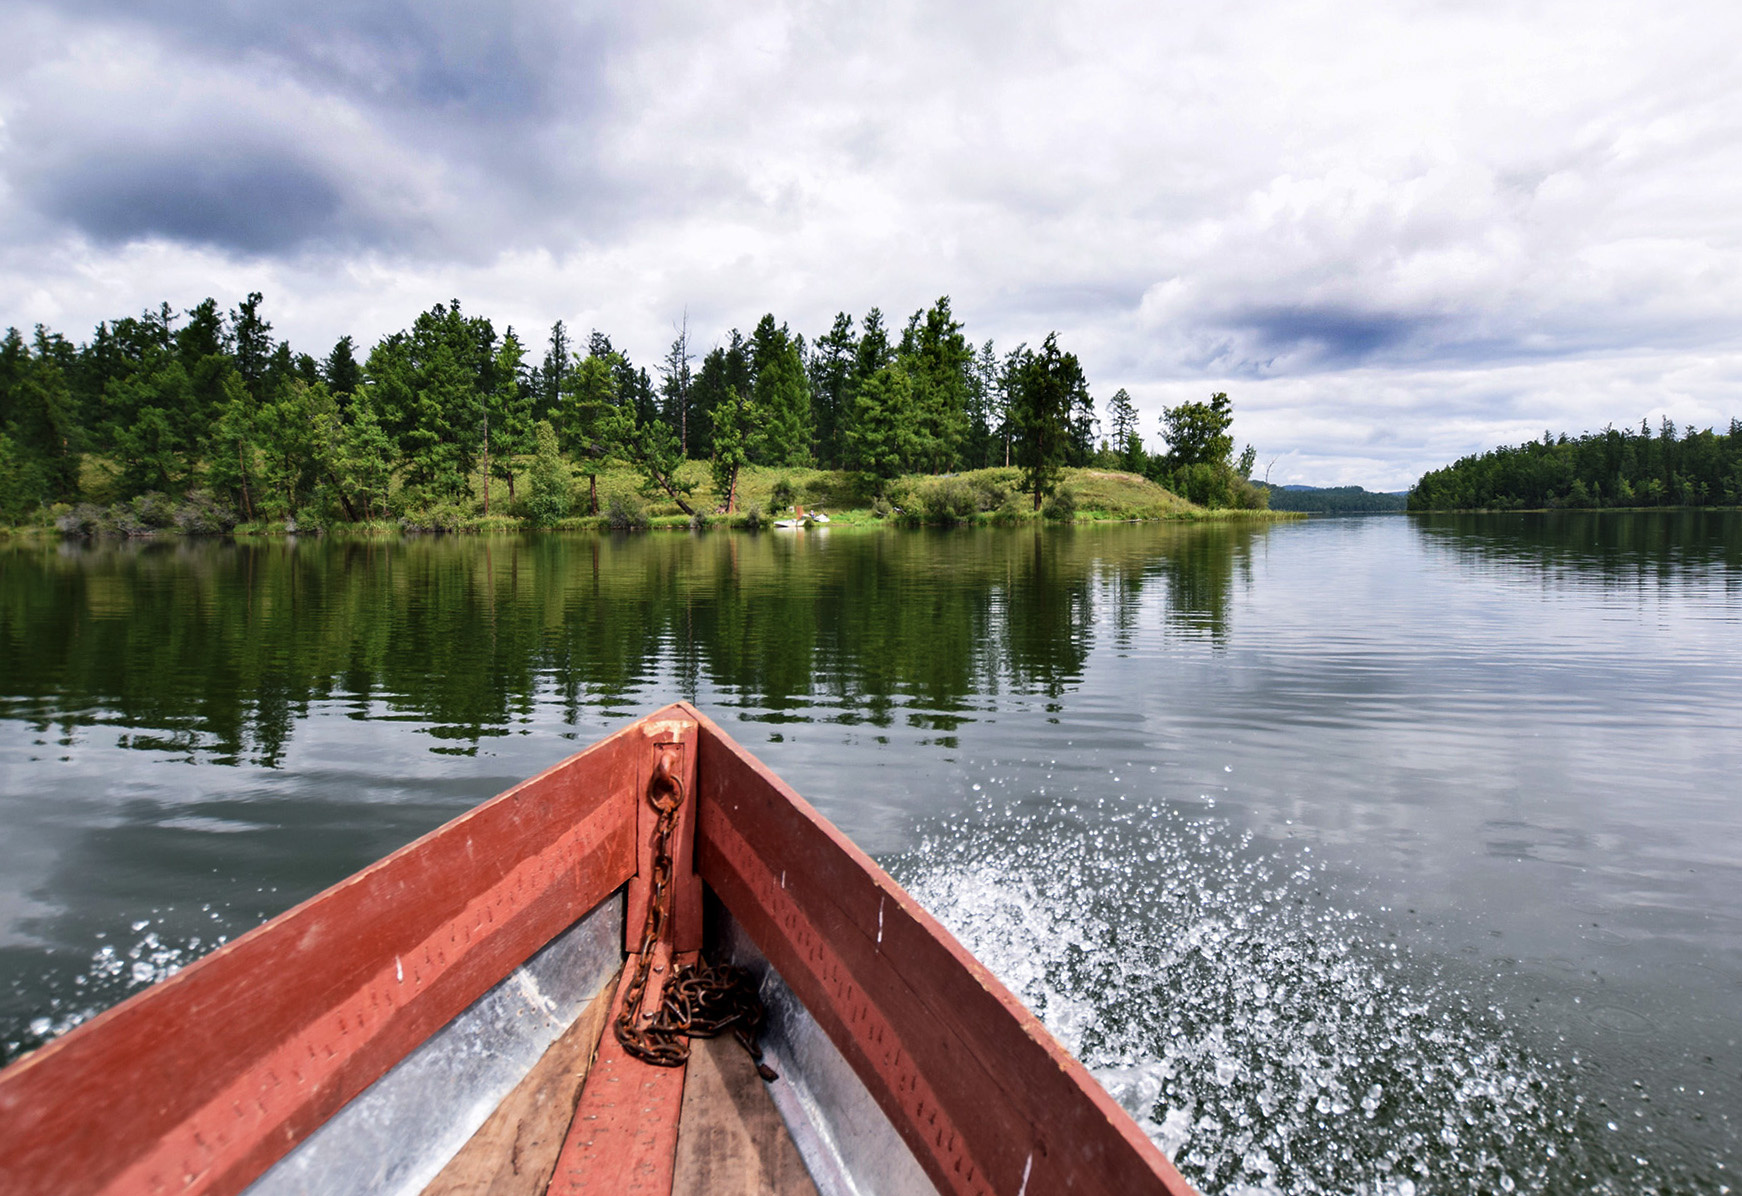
(986, 497)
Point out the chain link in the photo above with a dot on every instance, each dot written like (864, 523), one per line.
(699, 1001)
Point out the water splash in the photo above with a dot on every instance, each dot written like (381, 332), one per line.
(1269, 1042)
(111, 974)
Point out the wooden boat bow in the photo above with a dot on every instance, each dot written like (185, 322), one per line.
(232, 1071)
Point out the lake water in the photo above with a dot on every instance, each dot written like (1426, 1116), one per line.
(1387, 855)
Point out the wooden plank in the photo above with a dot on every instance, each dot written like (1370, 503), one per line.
(514, 1153)
(984, 1096)
(731, 1140)
(200, 1083)
(677, 737)
(623, 1139)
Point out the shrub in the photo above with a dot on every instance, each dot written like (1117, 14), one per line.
(1061, 506)
(547, 480)
(782, 496)
(948, 500)
(881, 509)
(153, 511)
(626, 514)
(85, 519)
(990, 494)
(203, 515)
(433, 517)
(752, 518)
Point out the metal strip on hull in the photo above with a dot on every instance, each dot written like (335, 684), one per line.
(848, 1145)
(399, 1133)
(983, 1095)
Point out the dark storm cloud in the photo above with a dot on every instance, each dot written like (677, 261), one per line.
(445, 132)
(1330, 335)
(250, 202)
(493, 62)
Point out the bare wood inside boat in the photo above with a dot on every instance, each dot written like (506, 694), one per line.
(441, 1022)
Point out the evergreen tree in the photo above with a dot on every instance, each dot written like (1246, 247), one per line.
(251, 337)
(553, 374)
(676, 381)
(507, 416)
(884, 434)
(780, 396)
(547, 499)
(938, 361)
(1197, 433)
(1047, 389)
(831, 376)
(590, 416)
(341, 372)
(732, 420)
(725, 373)
(1123, 424)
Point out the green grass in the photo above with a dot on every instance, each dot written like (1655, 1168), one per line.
(1101, 496)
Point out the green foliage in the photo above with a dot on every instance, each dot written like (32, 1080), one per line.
(780, 396)
(1047, 387)
(731, 436)
(1199, 465)
(939, 362)
(1061, 505)
(22, 487)
(1334, 499)
(1611, 468)
(547, 480)
(1197, 433)
(882, 438)
(1215, 485)
(626, 514)
(783, 494)
(170, 402)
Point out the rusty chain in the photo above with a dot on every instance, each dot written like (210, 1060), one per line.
(699, 1001)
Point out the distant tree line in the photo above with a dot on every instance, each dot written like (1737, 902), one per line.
(1334, 500)
(208, 404)
(1611, 468)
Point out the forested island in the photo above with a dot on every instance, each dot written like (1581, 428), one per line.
(1334, 500)
(203, 421)
(1616, 467)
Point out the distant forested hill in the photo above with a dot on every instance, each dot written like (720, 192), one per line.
(1611, 468)
(1334, 500)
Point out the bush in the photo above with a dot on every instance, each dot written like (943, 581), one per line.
(699, 522)
(432, 517)
(948, 500)
(85, 519)
(203, 515)
(1016, 508)
(989, 494)
(547, 480)
(752, 518)
(881, 509)
(627, 514)
(153, 511)
(782, 496)
(1061, 505)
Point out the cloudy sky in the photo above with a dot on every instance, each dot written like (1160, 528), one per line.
(1394, 232)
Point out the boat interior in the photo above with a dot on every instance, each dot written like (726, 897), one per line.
(449, 1020)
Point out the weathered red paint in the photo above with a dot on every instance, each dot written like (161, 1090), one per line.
(982, 1093)
(200, 1083)
(671, 728)
(623, 1140)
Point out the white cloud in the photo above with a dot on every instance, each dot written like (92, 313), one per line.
(1394, 233)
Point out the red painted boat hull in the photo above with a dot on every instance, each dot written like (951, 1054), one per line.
(203, 1082)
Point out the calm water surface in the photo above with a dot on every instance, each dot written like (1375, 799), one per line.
(1386, 855)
